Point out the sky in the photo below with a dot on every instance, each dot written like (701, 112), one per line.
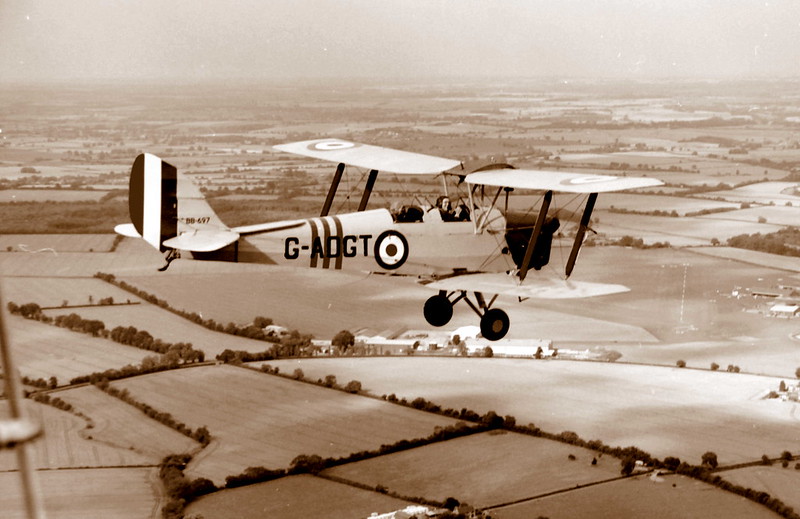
(201, 40)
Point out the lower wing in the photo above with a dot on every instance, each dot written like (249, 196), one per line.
(538, 287)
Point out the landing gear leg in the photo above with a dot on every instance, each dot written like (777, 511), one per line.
(438, 310)
(172, 255)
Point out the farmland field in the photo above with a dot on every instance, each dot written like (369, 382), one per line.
(54, 291)
(777, 215)
(682, 297)
(121, 425)
(777, 193)
(44, 351)
(751, 256)
(681, 205)
(110, 493)
(47, 195)
(163, 324)
(81, 264)
(675, 497)
(263, 420)
(289, 296)
(665, 411)
(679, 232)
(775, 480)
(295, 497)
(53, 244)
(65, 444)
(676, 296)
(483, 469)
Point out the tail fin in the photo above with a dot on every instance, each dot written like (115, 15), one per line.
(168, 211)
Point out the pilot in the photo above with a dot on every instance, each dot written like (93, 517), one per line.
(461, 214)
(445, 209)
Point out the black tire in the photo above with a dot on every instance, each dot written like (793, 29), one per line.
(494, 324)
(438, 310)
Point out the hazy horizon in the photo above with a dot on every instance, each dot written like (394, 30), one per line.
(90, 41)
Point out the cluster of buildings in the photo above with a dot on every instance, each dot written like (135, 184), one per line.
(465, 341)
(781, 301)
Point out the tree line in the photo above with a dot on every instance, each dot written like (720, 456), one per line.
(785, 242)
(172, 354)
(250, 331)
(200, 435)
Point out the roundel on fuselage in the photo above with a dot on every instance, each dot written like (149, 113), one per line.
(391, 250)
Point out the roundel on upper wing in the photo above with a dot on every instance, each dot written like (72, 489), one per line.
(391, 250)
(331, 145)
(589, 179)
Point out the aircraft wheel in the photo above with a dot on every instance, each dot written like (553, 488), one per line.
(438, 310)
(494, 324)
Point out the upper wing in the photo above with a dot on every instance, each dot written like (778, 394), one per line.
(370, 157)
(538, 287)
(558, 181)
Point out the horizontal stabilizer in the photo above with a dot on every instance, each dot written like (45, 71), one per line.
(205, 240)
(558, 181)
(370, 157)
(127, 229)
(537, 287)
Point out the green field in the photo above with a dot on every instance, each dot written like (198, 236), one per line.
(66, 444)
(110, 493)
(777, 193)
(679, 232)
(53, 244)
(163, 324)
(777, 215)
(296, 497)
(136, 257)
(646, 203)
(121, 425)
(238, 293)
(44, 351)
(675, 497)
(483, 470)
(264, 420)
(50, 195)
(776, 481)
(664, 411)
(54, 291)
(787, 263)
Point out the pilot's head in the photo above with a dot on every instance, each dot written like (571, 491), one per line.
(443, 202)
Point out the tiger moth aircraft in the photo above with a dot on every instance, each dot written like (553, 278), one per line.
(472, 250)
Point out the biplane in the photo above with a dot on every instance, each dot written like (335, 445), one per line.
(472, 248)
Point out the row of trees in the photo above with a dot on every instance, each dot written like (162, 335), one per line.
(785, 242)
(201, 434)
(179, 489)
(251, 331)
(172, 354)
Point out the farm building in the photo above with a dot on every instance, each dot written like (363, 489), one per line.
(408, 513)
(766, 292)
(784, 310)
(383, 346)
(512, 347)
(275, 330)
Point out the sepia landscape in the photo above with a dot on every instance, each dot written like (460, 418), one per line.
(232, 390)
